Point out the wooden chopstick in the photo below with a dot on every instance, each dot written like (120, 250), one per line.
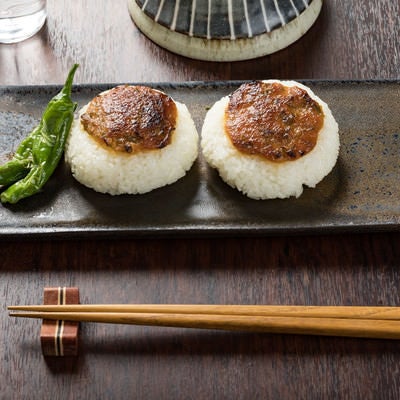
(354, 312)
(366, 328)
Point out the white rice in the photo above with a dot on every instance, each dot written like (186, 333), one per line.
(108, 171)
(260, 178)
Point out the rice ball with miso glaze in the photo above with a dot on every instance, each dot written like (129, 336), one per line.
(131, 140)
(269, 138)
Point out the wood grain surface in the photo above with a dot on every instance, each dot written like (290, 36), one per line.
(350, 40)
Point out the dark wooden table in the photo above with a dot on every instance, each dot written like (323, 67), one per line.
(350, 40)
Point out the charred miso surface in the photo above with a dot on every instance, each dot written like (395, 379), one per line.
(131, 118)
(274, 121)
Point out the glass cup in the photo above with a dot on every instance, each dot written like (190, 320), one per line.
(20, 19)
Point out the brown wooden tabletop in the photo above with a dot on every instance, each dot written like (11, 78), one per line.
(350, 40)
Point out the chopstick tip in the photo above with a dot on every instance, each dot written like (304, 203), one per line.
(13, 314)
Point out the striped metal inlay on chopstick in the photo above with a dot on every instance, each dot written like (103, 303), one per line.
(223, 19)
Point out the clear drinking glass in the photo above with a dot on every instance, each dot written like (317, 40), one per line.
(20, 19)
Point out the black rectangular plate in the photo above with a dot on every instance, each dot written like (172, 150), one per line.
(360, 194)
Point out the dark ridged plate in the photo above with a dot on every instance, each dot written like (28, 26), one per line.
(224, 30)
(361, 193)
(223, 19)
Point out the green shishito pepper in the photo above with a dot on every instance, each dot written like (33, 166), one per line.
(39, 154)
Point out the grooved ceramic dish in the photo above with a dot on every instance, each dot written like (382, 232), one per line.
(224, 30)
(360, 194)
